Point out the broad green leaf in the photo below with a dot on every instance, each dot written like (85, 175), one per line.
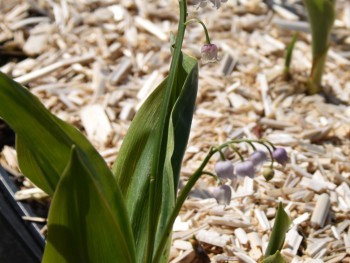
(38, 130)
(279, 231)
(179, 130)
(275, 258)
(133, 166)
(181, 117)
(174, 86)
(44, 148)
(44, 142)
(86, 224)
(40, 171)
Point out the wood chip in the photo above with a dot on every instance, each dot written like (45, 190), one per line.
(293, 241)
(321, 210)
(96, 124)
(32, 193)
(49, 69)
(212, 238)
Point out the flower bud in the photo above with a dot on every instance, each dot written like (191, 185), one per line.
(222, 194)
(209, 53)
(245, 169)
(258, 157)
(280, 155)
(224, 169)
(268, 173)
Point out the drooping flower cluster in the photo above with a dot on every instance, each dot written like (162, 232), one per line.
(203, 3)
(226, 170)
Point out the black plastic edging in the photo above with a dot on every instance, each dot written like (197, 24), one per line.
(20, 240)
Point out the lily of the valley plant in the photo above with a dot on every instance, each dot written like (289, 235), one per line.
(321, 16)
(125, 214)
(102, 215)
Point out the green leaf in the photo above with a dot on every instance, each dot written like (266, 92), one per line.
(275, 258)
(87, 220)
(160, 151)
(289, 53)
(279, 231)
(178, 134)
(43, 141)
(44, 145)
(46, 177)
(321, 15)
(133, 166)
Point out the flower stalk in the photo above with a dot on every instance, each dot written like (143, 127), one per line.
(197, 20)
(158, 161)
(209, 51)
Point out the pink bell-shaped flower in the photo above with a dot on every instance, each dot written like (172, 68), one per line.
(224, 169)
(280, 155)
(222, 194)
(209, 53)
(258, 157)
(245, 169)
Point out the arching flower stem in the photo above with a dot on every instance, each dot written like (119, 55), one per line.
(197, 20)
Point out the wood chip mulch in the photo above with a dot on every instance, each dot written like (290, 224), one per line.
(93, 63)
